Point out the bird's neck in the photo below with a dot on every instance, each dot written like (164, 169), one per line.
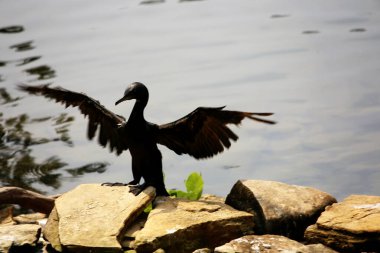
(137, 113)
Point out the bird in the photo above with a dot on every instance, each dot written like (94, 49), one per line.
(201, 134)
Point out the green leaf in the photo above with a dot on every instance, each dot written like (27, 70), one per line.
(148, 208)
(178, 194)
(194, 186)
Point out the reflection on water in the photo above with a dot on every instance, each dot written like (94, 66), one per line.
(152, 2)
(163, 1)
(12, 29)
(358, 30)
(6, 98)
(280, 16)
(24, 46)
(310, 32)
(19, 167)
(42, 72)
(31, 59)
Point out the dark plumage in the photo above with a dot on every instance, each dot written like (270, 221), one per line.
(202, 133)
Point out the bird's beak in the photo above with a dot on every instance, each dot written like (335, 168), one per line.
(122, 100)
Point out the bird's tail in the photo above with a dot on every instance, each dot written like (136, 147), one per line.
(251, 116)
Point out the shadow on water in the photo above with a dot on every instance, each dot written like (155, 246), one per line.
(18, 165)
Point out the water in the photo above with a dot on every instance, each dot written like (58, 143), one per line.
(315, 64)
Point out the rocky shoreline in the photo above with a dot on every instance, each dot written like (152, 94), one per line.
(256, 216)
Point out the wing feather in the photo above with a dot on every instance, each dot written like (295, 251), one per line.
(98, 116)
(204, 132)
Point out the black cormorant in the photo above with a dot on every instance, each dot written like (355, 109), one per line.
(202, 133)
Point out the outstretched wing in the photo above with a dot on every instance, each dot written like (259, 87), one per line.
(204, 132)
(98, 116)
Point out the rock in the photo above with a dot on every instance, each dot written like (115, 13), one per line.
(30, 218)
(352, 225)
(203, 250)
(159, 251)
(269, 243)
(6, 216)
(19, 238)
(92, 217)
(51, 232)
(279, 208)
(178, 225)
(212, 198)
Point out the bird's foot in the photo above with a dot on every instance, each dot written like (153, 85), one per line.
(137, 188)
(114, 184)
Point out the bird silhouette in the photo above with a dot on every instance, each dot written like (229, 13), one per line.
(202, 133)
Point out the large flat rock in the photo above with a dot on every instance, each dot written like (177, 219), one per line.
(178, 225)
(92, 217)
(269, 244)
(352, 225)
(279, 208)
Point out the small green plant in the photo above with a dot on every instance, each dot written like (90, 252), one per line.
(194, 188)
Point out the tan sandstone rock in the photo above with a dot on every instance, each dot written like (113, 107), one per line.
(269, 244)
(279, 208)
(51, 230)
(203, 250)
(29, 218)
(22, 237)
(91, 217)
(178, 225)
(352, 225)
(6, 216)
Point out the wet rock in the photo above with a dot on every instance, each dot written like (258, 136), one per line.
(269, 243)
(92, 217)
(279, 208)
(178, 225)
(352, 225)
(19, 238)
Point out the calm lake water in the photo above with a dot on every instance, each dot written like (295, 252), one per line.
(316, 64)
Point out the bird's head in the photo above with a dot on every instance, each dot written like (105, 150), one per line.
(136, 91)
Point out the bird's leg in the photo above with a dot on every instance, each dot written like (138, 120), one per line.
(136, 173)
(156, 179)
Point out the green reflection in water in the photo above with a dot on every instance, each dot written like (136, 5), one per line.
(24, 46)
(43, 72)
(18, 166)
